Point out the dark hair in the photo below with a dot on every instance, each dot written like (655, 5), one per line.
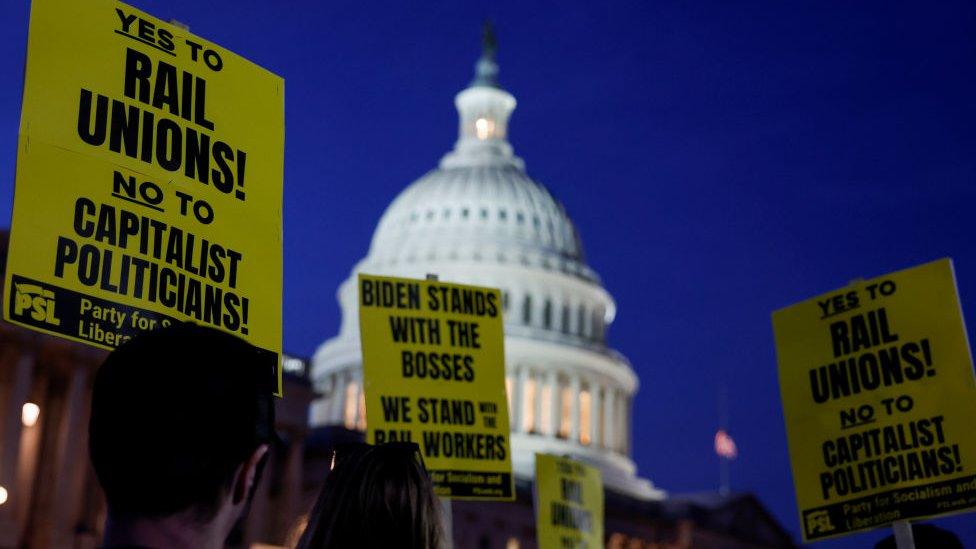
(375, 496)
(175, 412)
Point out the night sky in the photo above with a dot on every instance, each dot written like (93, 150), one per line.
(720, 161)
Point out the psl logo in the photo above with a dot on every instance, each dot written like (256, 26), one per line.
(36, 301)
(818, 522)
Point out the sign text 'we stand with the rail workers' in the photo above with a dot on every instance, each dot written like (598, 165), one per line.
(434, 374)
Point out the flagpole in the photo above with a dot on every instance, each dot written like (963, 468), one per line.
(723, 420)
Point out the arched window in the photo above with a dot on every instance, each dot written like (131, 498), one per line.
(547, 315)
(565, 320)
(527, 310)
(581, 321)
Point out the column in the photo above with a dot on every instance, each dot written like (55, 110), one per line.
(609, 427)
(336, 414)
(518, 398)
(574, 409)
(257, 525)
(291, 493)
(539, 310)
(595, 403)
(573, 327)
(555, 410)
(360, 423)
(72, 450)
(12, 398)
(621, 414)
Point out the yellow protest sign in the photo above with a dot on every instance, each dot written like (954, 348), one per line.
(879, 400)
(569, 503)
(149, 181)
(434, 374)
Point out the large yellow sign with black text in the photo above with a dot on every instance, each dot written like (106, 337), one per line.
(879, 400)
(149, 181)
(569, 504)
(434, 374)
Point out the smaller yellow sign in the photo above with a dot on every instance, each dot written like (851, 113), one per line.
(879, 400)
(569, 504)
(434, 374)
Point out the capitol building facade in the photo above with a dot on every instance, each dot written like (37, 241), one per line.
(478, 218)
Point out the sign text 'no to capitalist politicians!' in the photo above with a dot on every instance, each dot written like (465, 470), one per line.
(149, 181)
(879, 400)
(569, 503)
(434, 374)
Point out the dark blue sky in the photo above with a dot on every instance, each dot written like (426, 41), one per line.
(720, 161)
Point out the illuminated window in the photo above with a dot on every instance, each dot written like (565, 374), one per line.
(484, 128)
(586, 426)
(566, 416)
(546, 416)
(361, 422)
(513, 543)
(528, 406)
(352, 404)
(598, 415)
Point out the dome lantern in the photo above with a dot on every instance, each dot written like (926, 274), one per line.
(483, 110)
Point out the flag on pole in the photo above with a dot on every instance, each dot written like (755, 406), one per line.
(724, 445)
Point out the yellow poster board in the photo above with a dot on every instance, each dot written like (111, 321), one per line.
(879, 402)
(569, 504)
(434, 374)
(149, 181)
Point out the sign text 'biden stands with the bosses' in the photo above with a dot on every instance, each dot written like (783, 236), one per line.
(434, 374)
(149, 181)
(879, 400)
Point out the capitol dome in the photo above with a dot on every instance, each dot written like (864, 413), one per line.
(478, 218)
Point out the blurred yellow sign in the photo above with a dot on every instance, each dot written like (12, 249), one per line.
(434, 374)
(149, 181)
(879, 399)
(569, 504)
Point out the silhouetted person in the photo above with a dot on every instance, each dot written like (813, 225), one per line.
(375, 497)
(181, 420)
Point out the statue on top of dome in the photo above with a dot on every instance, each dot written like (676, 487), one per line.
(486, 70)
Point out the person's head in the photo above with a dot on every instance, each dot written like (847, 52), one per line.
(181, 420)
(375, 496)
